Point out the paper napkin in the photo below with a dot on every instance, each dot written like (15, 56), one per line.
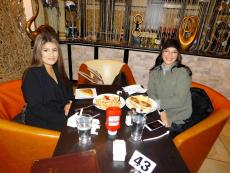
(134, 89)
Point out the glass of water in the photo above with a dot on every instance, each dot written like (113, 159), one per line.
(138, 123)
(84, 125)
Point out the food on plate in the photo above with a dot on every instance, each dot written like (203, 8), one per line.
(137, 100)
(106, 101)
(140, 102)
(87, 91)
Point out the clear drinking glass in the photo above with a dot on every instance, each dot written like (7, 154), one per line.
(138, 123)
(84, 125)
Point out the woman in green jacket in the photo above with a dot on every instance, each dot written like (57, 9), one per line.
(170, 82)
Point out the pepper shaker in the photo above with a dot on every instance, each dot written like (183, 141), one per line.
(128, 118)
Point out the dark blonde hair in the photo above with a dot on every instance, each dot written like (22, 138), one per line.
(40, 41)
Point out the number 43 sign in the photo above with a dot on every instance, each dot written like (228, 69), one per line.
(141, 163)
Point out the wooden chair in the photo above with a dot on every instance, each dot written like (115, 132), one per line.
(20, 144)
(108, 69)
(195, 143)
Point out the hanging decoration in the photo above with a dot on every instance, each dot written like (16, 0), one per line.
(51, 13)
(71, 16)
(32, 34)
(188, 31)
(137, 19)
(50, 4)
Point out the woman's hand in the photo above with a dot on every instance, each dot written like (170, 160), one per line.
(164, 119)
(67, 108)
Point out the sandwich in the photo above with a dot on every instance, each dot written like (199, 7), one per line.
(140, 102)
(87, 91)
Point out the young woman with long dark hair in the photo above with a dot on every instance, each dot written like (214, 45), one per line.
(45, 87)
(170, 82)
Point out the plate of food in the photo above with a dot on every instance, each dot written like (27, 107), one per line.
(85, 93)
(104, 101)
(142, 104)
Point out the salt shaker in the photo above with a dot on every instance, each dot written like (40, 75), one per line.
(128, 121)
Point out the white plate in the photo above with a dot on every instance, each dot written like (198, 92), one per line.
(81, 95)
(103, 98)
(140, 109)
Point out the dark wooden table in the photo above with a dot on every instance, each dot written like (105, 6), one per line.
(162, 151)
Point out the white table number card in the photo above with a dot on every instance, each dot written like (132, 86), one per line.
(142, 163)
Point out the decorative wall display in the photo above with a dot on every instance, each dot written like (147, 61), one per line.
(51, 13)
(45, 27)
(202, 26)
(15, 46)
(188, 31)
(71, 15)
(216, 34)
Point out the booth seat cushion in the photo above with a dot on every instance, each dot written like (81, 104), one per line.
(11, 99)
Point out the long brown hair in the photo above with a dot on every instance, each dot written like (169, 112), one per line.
(40, 40)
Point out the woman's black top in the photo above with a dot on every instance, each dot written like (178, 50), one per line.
(45, 98)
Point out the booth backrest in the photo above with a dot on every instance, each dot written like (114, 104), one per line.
(11, 99)
(108, 69)
(218, 100)
(21, 144)
(195, 143)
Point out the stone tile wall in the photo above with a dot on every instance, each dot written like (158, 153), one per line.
(108, 53)
(79, 55)
(140, 63)
(213, 72)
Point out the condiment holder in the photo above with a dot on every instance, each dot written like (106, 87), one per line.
(119, 150)
(113, 119)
